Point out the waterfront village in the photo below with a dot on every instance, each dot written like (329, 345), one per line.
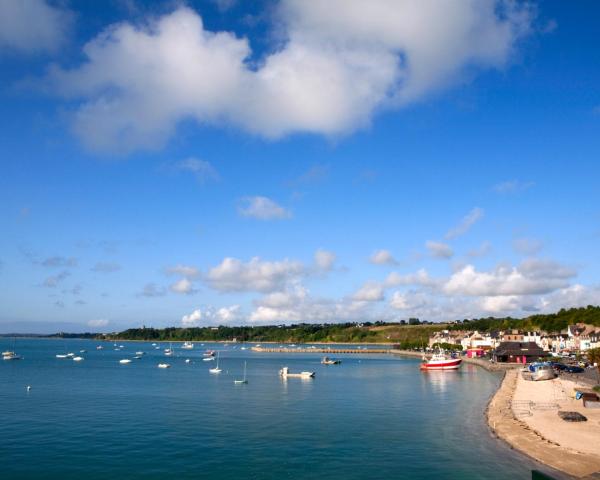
(514, 345)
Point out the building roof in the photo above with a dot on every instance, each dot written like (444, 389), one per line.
(530, 349)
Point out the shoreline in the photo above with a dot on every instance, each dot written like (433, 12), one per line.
(522, 437)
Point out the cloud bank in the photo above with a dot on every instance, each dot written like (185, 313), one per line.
(338, 63)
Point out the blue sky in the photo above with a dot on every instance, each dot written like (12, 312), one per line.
(217, 162)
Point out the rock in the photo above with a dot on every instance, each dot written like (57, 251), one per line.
(572, 417)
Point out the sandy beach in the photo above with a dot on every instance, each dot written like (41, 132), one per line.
(524, 414)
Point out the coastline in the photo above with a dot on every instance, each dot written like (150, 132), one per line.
(519, 435)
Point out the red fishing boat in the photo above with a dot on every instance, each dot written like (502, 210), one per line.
(441, 361)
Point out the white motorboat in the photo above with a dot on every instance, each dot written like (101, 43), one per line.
(208, 359)
(82, 351)
(140, 353)
(164, 365)
(61, 355)
(99, 347)
(330, 361)
(187, 346)
(125, 361)
(285, 373)
(70, 355)
(154, 344)
(187, 360)
(77, 359)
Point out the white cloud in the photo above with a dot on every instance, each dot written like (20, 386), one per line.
(211, 316)
(420, 277)
(186, 271)
(369, 292)
(408, 301)
(530, 277)
(99, 323)
(201, 169)
(465, 224)
(324, 260)
(233, 275)
(31, 26)
(501, 303)
(297, 305)
(152, 290)
(183, 286)
(527, 246)
(192, 319)
(512, 186)
(439, 249)
(382, 257)
(340, 62)
(262, 208)
(484, 249)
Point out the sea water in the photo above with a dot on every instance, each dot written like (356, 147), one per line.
(372, 417)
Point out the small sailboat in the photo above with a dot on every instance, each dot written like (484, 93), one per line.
(239, 382)
(10, 356)
(216, 369)
(169, 351)
(164, 365)
(125, 361)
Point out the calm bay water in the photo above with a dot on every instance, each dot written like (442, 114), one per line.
(371, 417)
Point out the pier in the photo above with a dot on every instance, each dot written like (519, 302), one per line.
(321, 350)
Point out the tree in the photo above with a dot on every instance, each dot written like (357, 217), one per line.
(593, 356)
(414, 321)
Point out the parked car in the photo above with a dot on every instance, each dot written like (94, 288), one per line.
(574, 369)
(558, 366)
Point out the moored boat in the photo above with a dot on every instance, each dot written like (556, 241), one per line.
(543, 372)
(187, 345)
(330, 361)
(441, 361)
(125, 361)
(285, 373)
(164, 365)
(10, 356)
